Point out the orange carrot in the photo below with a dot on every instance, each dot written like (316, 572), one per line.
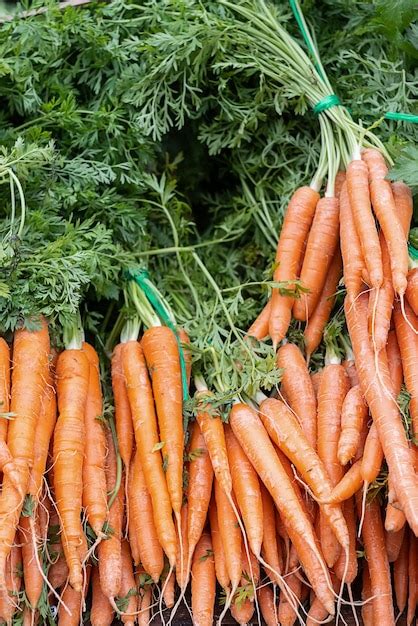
(242, 612)
(271, 548)
(218, 551)
(162, 356)
(213, 432)
(144, 599)
(287, 613)
(412, 578)
(353, 262)
(109, 551)
(349, 484)
(94, 477)
(384, 411)
(412, 290)
(58, 570)
(320, 249)
(394, 362)
(354, 414)
(4, 387)
(286, 433)
(340, 565)
(69, 447)
(141, 517)
(372, 456)
(203, 582)
(102, 612)
(74, 601)
(359, 197)
(259, 329)
(296, 226)
(297, 386)
(408, 346)
(230, 535)
(146, 436)
(395, 519)
(316, 381)
(377, 559)
(31, 572)
(247, 491)
(393, 541)
(400, 574)
(128, 587)
(199, 490)
(315, 326)
(267, 605)
(123, 416)
(182, 573)
(366, 594)
(168, 584)
(350, 368)
(256, 444)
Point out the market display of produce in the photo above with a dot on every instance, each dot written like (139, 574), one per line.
(209, 313)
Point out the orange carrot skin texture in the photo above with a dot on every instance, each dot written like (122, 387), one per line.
(412, 289)
(218, 551)
(230, 535)
(213, 432)
(384, 411)
(283, 429)
(123, 416)
(182, 573)
(256, 444)
(200, 487)
(394, 520)
(144, 600)
(247, 491)
(359, 196)
(316, 381)
(128, 617)
(271, 549)
(394, 540)
(142, 519)
(101, 613)
(349, 509)
(377, 559)
(242, 613)
(401, 574)
(203, 583)
(94, 477)
(366, 593)
(58, 571)
(353, 415)
(32, 576)
(259, 329)
(412, 576)
(295, 229)
(74, 600)
(298, 389)
(146, 435)
(320, 250)
(4, 386)
(353, 262)
(168, 585)
(394, 362)
(317, 611)
(350, 368)
(109, 550)
(372, 456)
(69, 447)
(349, 484)
(267, 606)
(162, 356)
(408, 346)
(315, 326)
(287, 614)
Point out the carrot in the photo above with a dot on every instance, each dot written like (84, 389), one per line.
(317, 612)
(287, 613)
(4, 387)
(142, 520)
(259, 329)
(377, 559)
(182, 573)
(203, 583)
(58, 570)
(146, 436)
(31, 573)
(394, 362)
(250, 566)
(168, 584)
(316, 381)
(297, 386)
(394, 540)
(384, 411)
(412, 289)
(354, 414)
(218, 551)
(94, 478)
(340, 565)
(296, 226)
(338, 183)
(315, 326)
(412, 578)
(408, 346)
(101, 613)
(350, 368)
(109, 551)
(349, 484)
(161, 353)
(128, 587)
(267, 605)
(257, 446)
(389, 219)
(394, 520)
(74, 601)
(144, 599)
(400, 574)
(372, 456)
(271, 547)
(230, 535)
(353, 261)
(9, 594)
(123, 416)
(199, 489)
(213, 432)
(69, 447)
(242, 612)
(359, 197)
(286, 433)
(247, 491)
(366, 593)
(320, 249)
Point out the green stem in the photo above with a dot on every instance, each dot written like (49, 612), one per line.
(142, 306)
(73, 333)
(130, 330)
(114, 493)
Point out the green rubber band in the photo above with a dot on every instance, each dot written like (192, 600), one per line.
(327, 103)
(413, 252)
(401, 117)
(141, 277)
